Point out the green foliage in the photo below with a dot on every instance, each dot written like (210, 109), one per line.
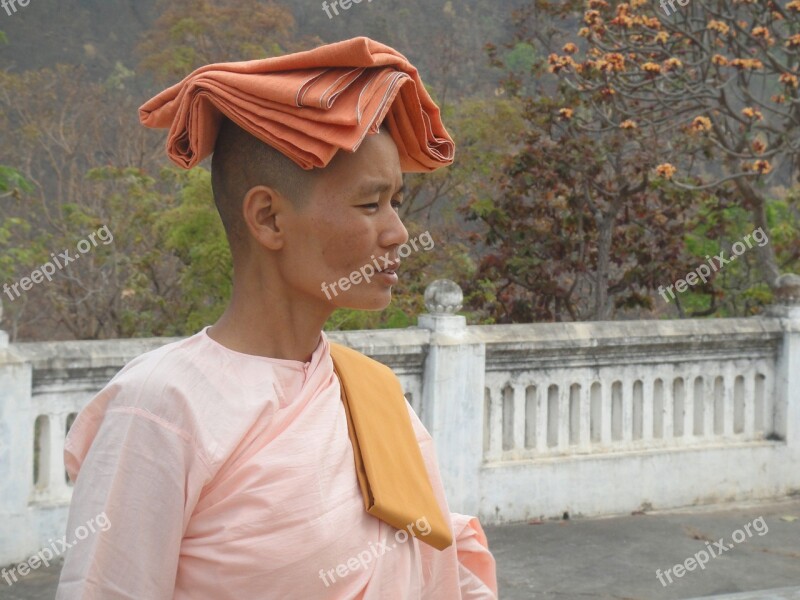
(522, 57)
(17, 254)
(13, 182)
(737, 288)
(15, 228)
(392, 317)
(118, 77)
(166, 272)
(192, 230)
(174, 257)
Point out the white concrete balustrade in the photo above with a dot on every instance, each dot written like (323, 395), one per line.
(639, 403)
(529, 420)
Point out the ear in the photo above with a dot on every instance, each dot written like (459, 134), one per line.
(262, 210)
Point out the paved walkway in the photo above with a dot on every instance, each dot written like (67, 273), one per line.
(617, 558)
(781, 594)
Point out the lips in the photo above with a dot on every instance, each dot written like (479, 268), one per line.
(390, 268)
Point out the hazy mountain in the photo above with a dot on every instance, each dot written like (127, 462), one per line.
(445, 38)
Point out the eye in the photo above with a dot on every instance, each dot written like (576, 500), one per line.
(397, 204)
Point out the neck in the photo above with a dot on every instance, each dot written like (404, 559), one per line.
(276, 321)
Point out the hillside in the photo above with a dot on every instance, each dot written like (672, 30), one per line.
(100, 33)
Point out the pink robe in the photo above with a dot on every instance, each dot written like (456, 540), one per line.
(230, 476)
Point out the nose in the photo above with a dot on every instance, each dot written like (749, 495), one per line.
(393, 233)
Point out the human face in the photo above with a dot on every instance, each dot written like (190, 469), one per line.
(341, 246)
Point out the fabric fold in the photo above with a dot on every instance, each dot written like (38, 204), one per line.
(477, 567)
(308, 105)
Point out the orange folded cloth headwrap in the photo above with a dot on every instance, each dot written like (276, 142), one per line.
(307, 105)
(389, 465)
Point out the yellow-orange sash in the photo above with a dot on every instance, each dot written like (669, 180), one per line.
(389, 466)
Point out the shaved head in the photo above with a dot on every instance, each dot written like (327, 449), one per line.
(242, 162)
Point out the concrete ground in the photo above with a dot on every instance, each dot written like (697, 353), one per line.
(617, 558)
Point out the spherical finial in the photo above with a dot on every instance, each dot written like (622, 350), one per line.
(443, 297)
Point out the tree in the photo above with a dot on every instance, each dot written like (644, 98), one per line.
(191, 33)
(64, 125)
(597, 179)
(715, 83)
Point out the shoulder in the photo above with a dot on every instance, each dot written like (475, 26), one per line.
(195, 389)
(175, 367)
(160, 386)
(152, 383)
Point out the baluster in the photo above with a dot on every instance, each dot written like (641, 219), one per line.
(495, 423)
(542, 418)
(627, 407)
(585, 403)
(519, 417)
(563, 415)
(648, 406)
(729, 381)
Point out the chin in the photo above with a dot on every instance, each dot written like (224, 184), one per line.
(374, 302)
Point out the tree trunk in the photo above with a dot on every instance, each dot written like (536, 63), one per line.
(605, 229)
(764, 254)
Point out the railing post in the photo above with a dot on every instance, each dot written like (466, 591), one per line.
(453, 395)
(17, 535)
(787, 375)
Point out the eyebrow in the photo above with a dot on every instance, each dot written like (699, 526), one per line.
(379, 187)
